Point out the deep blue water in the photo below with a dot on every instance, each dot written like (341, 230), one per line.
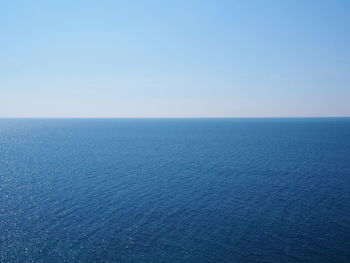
(175, 190)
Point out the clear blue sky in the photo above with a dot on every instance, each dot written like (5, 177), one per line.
(180, 58)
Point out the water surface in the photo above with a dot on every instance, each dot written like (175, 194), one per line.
(175, 190)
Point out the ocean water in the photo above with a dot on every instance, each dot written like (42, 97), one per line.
(175, 190)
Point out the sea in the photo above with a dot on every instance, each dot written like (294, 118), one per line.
(175, 190)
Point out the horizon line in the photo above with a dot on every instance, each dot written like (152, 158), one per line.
(178, 117)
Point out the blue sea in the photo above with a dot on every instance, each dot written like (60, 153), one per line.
(175, 190)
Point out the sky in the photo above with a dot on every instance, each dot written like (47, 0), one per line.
(176, 58)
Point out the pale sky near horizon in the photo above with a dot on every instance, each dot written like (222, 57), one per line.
(183, 58)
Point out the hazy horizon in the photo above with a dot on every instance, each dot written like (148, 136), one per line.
(188, 117)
